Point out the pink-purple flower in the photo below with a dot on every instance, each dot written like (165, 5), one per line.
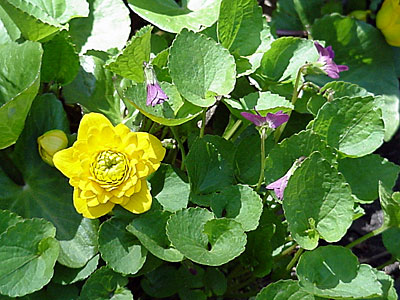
(155, 94)
(279, 185)
(271, 120)
(326, 56)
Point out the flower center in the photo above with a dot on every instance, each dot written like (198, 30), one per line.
(110, 167)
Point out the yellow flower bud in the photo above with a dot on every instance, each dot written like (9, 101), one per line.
(360, 14)
(50, 143)
(388, 21)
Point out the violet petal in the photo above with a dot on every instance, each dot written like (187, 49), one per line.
(257, 120)
(277, 119)
(279, 186)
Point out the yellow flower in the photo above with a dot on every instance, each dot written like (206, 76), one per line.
(50, 143)
(108, 165)
(388, 21)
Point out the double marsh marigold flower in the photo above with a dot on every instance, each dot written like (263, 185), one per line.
(108, 165)
(388, 21)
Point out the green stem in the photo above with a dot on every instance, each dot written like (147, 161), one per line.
(289, 250)
(295, 94)
(247, 282)
(261, 178)
(203, 122)
(232, 130)
(366, 237)
(180, 146)
(389, 262)
(153, 128)
(294, 259)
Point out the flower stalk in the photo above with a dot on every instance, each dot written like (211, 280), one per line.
(261, 178)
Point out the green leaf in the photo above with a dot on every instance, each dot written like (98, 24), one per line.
(345, 89)
(390, 238)
(239, 202)
(93, 89)
(9, 32)
(390, 205)
(103, 284)
(169, 16)
(353, 126)
(282, 61)
(129, 62)
(261, 101)
(79, 249)
(210, 164)
(284, 289)
(203, 239)
(28, 252)
(162, 282)
(8, 219)
(19, 79)
(120, 250)
(283, 155)
(45, 192)
(198, 79)
(248, 157)
(173, 112)
(389, 291)
(334, 272)
(39, 19)
(362, 47)
(106, 27)
(64, 275)
(60, 61)
(326, 208)
(239, 25)
(172, 191)
(364, 173)
(216, 281)
(308, 11)
(150, 229)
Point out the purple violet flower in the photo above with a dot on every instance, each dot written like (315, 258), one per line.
(326, 56)
(279, 185)
(272, 120)
(155, 94)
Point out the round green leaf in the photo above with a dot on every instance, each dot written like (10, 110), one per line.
(362, 47)
(121, 250)
(39, 19)
(215, 280)
(353, 126)
(9, 31)
(325, 207)
(173, 112)
(162, 282)
(345, 89)
(106, 27)
(45, 192)
(282, 61)
(19, 81)
(7, 219)
(239, 202)
(203, 239)
(334, 272)
(284, 289)
(149, 228)
(104, 284)
(60, 61)
(170, 16)
(65, 276)
(129, 62)
(239, 25)
(93, 88)
(364, 173)
(200, 68)
(78, 250)
(28, 252)
(283, 155)
(210, 164)
(173, 192)
(390, 204)
(390, 238)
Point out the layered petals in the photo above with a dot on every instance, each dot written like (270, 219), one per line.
(271, 120)
(108, 165)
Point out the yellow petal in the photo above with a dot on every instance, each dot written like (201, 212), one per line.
(90, 212)
(139, 202)
(91, 120)
(151, 145)
(65, 162)
(122, 130)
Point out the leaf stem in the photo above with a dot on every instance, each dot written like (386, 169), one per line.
(261, 178)
(389, 262)
(232, 130)
(294, 259)
(366, 237)
(289, 250)
(203, 122)
(180, 146)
